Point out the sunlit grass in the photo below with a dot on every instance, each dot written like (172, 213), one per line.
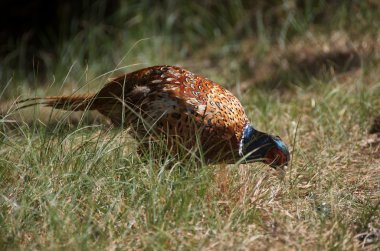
(86, 187)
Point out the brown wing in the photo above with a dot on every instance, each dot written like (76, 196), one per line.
(183, 104)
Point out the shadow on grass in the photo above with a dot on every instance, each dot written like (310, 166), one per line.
(297, 68)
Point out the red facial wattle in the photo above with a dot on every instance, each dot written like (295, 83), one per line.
(275, 157)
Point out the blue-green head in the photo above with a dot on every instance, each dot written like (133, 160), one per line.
(258, 146)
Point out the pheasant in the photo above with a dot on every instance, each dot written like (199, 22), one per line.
(183, 107)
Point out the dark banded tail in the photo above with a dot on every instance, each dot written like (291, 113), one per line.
(68, 103)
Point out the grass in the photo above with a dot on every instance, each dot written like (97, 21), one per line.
(70, 185)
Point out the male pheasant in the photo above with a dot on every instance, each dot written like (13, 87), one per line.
(185, 108)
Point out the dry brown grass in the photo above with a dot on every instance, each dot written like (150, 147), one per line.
(83, 186)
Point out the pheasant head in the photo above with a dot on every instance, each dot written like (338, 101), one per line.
(258, 146)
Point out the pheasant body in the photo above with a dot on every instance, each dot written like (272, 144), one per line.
(184, 107)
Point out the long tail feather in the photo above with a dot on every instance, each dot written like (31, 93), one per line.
(69, 103)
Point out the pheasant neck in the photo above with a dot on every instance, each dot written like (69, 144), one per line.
(249, 133)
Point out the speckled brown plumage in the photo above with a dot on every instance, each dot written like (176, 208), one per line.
(172, 102)
(178, 103)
